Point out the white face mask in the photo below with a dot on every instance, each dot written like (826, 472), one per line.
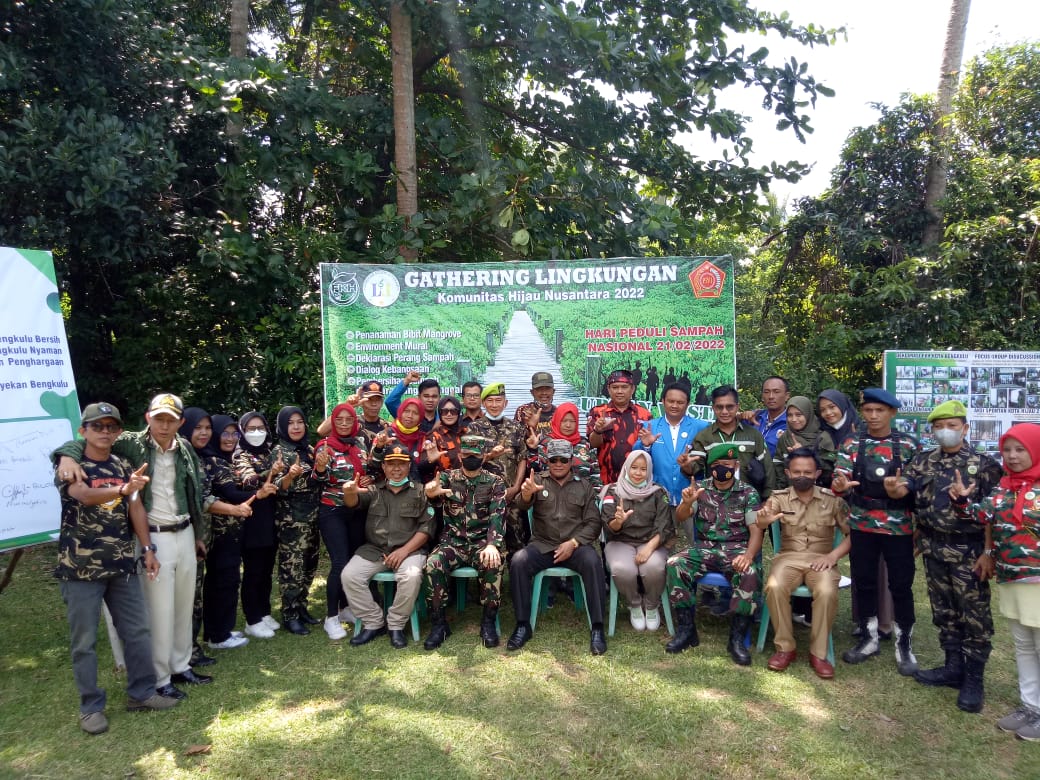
(255, 438)
(947, 437)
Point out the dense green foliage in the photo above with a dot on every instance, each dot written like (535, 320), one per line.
(188, 256)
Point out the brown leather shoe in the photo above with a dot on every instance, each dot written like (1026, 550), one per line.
(823, 668)
(781, 659)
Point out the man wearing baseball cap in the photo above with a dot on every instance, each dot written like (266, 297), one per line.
(881, 527)
(175, 500)
(944, 483)
(537, 414)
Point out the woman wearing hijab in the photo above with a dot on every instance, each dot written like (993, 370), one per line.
(637, 521)
(296, 518)
(441, 448)
(216, 586)
(804, 430)
(254, 467)
(1012, 515)
(405, 430)
(564, 425)
(338, 459)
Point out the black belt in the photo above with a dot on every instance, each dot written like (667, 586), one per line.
(948, 538)
(158, 529)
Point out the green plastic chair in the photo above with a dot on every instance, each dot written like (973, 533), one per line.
(389, 586)
(462, 574)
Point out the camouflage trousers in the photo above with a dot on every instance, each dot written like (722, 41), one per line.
(297, 529)
(446, 558)
(960, 601)
(517, 529)
(685, 568)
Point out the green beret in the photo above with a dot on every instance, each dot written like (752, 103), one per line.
(496, 388)
(948, 410)
(472, 445)
(721, 452)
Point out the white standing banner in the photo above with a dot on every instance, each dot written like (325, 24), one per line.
(39, 408)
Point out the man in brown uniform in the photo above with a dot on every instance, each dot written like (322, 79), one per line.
(808, 515)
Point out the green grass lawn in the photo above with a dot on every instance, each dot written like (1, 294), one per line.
(305, 707)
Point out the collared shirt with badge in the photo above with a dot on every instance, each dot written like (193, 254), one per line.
(561, 512)
(808, 526)
(392, 519)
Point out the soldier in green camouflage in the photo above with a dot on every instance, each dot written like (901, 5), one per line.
(727, 541)
(296, 518)
(473, 500)
(944, 483)
(100, 518)
(507, 458)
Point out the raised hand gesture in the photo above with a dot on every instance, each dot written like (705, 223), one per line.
(432, 453)
(434, 489)
(896, 486)
(960, 492)
(620, 515)
(268, 488)
(137, 480)
(646, 437)
(841, 481)
(530, 486)
(691, 493)
(295, 469)
(322, 458)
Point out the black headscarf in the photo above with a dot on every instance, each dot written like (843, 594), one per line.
(302, 446)
(192, 416)
(220, 422)
(265, 448)
(849, 422)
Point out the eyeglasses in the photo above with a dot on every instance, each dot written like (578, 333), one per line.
(101, 427)
(231, 435)
(559, 460)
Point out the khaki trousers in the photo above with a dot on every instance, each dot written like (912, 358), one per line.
(409, 579)
(789, 571)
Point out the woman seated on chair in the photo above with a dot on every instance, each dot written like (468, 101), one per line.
(637, 522)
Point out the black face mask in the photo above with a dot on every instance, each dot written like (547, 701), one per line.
(472, 462)
(801, 484)
(722, 473)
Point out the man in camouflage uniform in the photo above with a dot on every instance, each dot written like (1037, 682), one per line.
(536, 415)
(100, 517)
(882, 527)
(507, 458)
(944, 482)
(474, 504)
(727, 541)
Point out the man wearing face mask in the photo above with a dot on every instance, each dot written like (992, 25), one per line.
(474, 503)
(953, 548)
(808, 515)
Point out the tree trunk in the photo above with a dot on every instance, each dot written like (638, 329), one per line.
(404, 116)
(935, 182)
(239, 24)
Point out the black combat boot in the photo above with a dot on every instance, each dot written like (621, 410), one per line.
(488, 631)
(951, 674)
(972, 693)
(905, 658)
(685, 631)
(738, 628)
(439, 631)
(867, 645)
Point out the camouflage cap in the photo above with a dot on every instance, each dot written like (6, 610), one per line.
(167, 403)
(559, 448)
(100, 411)
(948, 410)
(541, 379)
(495, 388)
(397, 451)
(721, 452)
(472, 445)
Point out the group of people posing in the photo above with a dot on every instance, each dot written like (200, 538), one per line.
(450, 488)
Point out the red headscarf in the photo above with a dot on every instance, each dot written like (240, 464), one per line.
(345, 444)
(408, 439)
(557, 420)
(1020, 481)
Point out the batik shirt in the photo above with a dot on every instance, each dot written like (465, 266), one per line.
(619, 440)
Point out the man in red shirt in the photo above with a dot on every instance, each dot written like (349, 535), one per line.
(613, 428)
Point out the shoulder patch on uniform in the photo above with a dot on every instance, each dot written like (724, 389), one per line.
(827, 491)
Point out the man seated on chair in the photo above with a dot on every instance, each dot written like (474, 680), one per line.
(474, 506)
(808, 515)
(565, 527)
(399, 522)
(727, 541)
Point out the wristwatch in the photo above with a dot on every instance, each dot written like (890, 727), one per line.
(149, 548)
(990, 552)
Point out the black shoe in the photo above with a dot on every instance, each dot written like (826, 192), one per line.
(685, 632)
(972, 694)
(171, 693)
(296, 626)
(366, 635)
(488, 630)
(738, 629)
(597, 642)
(950, 674)
(190, 678)
(867, 647)
(308, 618)
(439, 631)
(521, 636)
(398, 639)
(199, 658)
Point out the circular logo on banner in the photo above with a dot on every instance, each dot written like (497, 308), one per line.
(344, 289)
(381, 289)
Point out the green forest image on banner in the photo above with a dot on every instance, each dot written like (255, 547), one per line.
(664, 319)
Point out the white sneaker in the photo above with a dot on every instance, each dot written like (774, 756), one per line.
(271, 623)
(653, 619)
(229, 643)
(334, 628)
(346, 616)
(259, 630)
(237, 633)
(637, 619)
